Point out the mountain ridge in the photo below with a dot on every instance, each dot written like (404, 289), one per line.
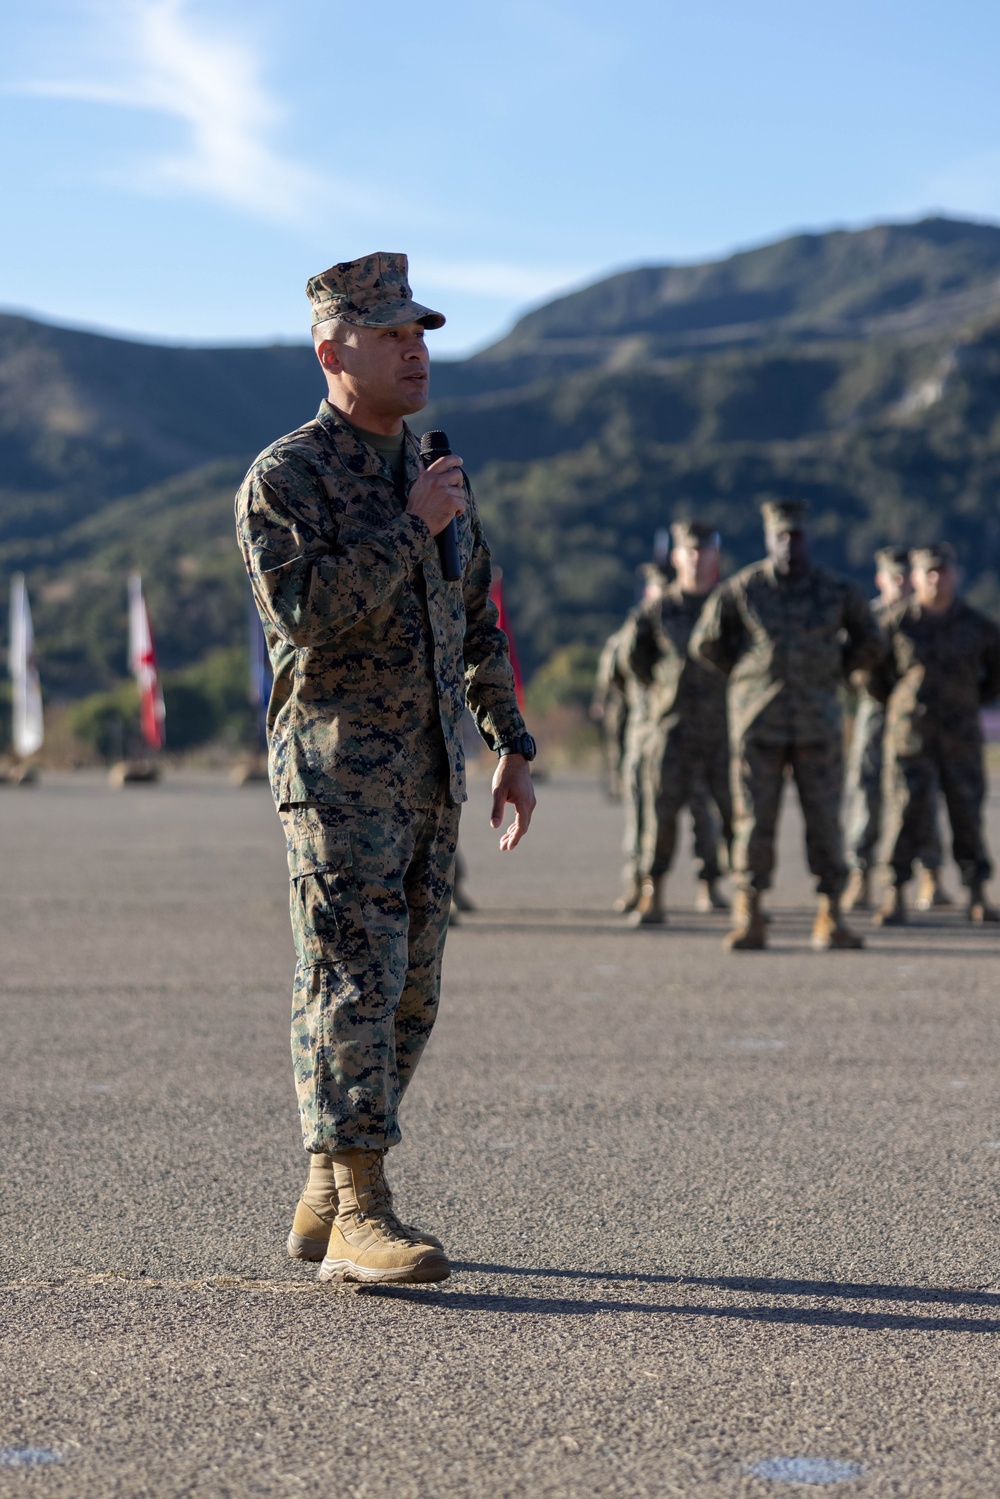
(868, 379)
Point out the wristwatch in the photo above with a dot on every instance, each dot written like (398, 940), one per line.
(522, 745)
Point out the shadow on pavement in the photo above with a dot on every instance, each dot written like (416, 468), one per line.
(481, 1301)
(762, 1285)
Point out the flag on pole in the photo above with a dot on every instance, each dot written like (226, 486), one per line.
(142, 664)
(260, 674)
(496, 597)
(24, 673)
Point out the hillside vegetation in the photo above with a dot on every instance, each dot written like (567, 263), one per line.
(861, 370)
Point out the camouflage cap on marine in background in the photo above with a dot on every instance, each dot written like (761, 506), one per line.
(372, 292)
(893, 560)
(694, 533)
(781, 514)
(939, 554)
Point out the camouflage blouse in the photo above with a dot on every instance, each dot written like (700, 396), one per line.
(374, 655)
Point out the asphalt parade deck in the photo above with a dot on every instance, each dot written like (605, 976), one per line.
(720, 1224)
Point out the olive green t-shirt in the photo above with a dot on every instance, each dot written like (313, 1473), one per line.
(392, 448)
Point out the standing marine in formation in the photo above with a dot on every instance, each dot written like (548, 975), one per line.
(609, 711)
(687, 753)
(786, 632)
(375, 657)
(943, 665)
(636, 737)
(863, 794)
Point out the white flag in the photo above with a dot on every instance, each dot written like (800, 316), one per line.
(24, 673)
(142, 661)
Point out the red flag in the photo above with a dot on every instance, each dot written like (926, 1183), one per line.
(142, 661)
(496, 597)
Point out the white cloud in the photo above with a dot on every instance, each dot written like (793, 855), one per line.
(498, 279)
(168, 63)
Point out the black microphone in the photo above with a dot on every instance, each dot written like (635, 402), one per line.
(434, 445)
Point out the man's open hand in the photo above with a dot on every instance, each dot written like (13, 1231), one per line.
(512, 783)
(438, 494)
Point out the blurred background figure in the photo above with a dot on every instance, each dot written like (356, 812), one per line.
(785, 632)
(609, 710)
(943, 666)
(687, 751)
(863, 791)
(636, 690)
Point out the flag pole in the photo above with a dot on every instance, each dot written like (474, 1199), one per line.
(28, 725)
(152, 715)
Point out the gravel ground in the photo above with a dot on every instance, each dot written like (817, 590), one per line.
(720, 1224)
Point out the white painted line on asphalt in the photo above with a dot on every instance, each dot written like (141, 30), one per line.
(959, 1082)
(27, 1457)
(806, 1470)
(991, 1144)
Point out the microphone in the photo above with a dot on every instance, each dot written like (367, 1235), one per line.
(434, 445)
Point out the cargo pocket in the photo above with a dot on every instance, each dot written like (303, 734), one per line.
(327, 920)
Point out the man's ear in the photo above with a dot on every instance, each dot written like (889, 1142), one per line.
(328, 356)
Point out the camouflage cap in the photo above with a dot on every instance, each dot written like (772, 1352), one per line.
(938, 554)
(790, 513)
(694, 533)
(892, 559)
(372, 292)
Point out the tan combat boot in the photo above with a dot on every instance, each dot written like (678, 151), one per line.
(367, 1241)
(749, 933)
(828, 929)
(980, 910)
(931, 893)
(314, 1212)
(709, 898)
(892, 911)
(317, 1208)
(650, 910)
(857, 892)
(629, 898)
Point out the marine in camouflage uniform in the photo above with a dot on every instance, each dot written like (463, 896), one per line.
(635, 653)
(637, 726)
(786, 633)
(375, 657)
(687, 757)
(863, 788)
(609, 710)
(943, 665)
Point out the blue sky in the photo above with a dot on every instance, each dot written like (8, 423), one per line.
(177, 170)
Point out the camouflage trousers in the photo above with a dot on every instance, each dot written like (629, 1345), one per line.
(633, 802)
(758, 774)
(911, 790)
(370, 896)
(863, 794)
(680, 770)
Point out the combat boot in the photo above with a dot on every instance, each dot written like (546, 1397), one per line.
(749, 933)
(828, 929)
(367, 1241)
(892, 911)
(629, 898)
(317, 1208)
(650, 910)
(709, 898)
(314, 1212)
(931, 893)
(980, 910)
(857, 892)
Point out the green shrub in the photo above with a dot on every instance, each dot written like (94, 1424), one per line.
(566, 679)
